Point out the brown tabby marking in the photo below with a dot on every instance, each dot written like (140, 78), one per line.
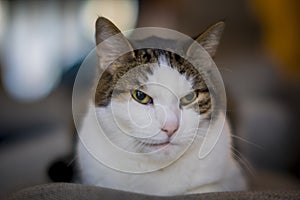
(146, 57)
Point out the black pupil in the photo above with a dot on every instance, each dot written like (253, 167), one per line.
(190, 96)
(140, 95)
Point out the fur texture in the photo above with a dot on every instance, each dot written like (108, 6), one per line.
(170, 126)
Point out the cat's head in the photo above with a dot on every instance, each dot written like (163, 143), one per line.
(150, 98)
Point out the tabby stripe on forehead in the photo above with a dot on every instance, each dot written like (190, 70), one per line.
(107, 83)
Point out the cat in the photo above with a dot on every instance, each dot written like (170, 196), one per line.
(154, 108)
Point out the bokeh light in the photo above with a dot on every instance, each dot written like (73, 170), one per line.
(3, 18)
(123, 13)
(42, 42)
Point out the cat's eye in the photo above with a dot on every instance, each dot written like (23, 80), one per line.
(141, 97)
(189, 98)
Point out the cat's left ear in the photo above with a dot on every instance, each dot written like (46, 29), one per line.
(111, 44)
(210, 39)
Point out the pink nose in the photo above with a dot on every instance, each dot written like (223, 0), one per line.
(170, 126)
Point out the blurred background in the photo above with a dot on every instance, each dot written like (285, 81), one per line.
(42, 44)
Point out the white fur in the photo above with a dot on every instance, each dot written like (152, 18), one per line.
(123, 121)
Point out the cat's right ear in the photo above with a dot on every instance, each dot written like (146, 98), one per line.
(209, 40)
(109, 48)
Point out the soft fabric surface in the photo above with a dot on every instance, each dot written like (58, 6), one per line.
(66, 191)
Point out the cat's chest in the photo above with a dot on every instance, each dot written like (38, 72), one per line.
(184, 174)
(175, 179)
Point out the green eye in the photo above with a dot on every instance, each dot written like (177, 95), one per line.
(141, 97)
(189, 98)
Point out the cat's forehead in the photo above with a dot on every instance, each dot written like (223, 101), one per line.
(153, 67)
(166, 80)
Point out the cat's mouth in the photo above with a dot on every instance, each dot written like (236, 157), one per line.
(156, 144)
(159, 144)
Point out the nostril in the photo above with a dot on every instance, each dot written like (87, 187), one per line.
(164, 130)
(169, 132)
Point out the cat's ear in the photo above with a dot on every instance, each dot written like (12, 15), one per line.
(110, 49)
(209, 39)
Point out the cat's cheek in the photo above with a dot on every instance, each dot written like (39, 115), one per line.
(138, 114)
(190, 121)
(134, 119)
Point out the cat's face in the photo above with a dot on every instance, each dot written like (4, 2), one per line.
(158, 112)
(150, 99)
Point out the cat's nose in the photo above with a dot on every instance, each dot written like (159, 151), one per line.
(170, 126)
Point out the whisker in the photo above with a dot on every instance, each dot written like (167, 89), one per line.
(138, 146)
(72, 160)
(247, 141)
(244, 162)
(225, 69)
